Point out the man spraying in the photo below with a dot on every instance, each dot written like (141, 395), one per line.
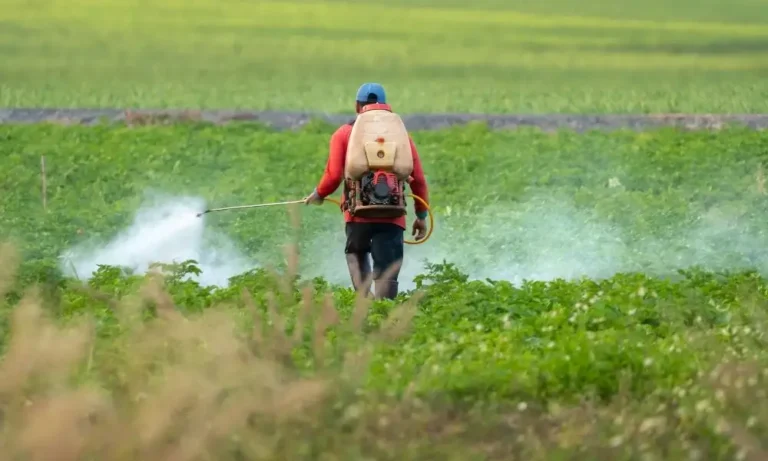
(375, 157)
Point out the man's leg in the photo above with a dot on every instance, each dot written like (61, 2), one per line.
(387, 251)
(356, 251)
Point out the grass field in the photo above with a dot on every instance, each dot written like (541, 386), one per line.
(595, 57)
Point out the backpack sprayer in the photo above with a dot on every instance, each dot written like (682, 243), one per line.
(291, 202)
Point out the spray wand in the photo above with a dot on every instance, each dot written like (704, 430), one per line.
(327, 199)
(258, 205)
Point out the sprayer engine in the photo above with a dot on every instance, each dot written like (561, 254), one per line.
(380, 188)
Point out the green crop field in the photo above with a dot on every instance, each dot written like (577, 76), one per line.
(493, 56)
(624, 194)
(590, 296)
(585, 296)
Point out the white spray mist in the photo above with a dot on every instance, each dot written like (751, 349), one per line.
(544, 238)
(534, 240)
(166, 231)
(541, 238)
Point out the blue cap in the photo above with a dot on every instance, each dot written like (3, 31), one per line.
(371, 88)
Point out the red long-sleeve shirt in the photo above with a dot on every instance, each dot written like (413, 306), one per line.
(334, 172)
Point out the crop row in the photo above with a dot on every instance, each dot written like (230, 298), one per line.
(667, 369)
(514, 204)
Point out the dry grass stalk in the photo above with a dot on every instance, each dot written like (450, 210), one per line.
(189, 383)
(44, 183)
(760, 180)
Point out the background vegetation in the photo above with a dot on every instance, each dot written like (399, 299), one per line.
(492, 56)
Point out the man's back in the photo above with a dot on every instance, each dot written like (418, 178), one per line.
(334, 171)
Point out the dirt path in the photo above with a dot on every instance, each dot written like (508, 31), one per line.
(291, 120)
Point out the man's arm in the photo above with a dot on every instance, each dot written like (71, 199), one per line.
(334, 168)
(418, 184)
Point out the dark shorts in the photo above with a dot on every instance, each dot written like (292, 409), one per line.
(384, 241)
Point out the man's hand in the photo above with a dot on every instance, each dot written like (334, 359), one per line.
(313, 198)
(419, 229)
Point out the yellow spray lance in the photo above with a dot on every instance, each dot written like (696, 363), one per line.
(332, 200)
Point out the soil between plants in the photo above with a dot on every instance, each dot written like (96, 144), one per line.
(294, 120)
